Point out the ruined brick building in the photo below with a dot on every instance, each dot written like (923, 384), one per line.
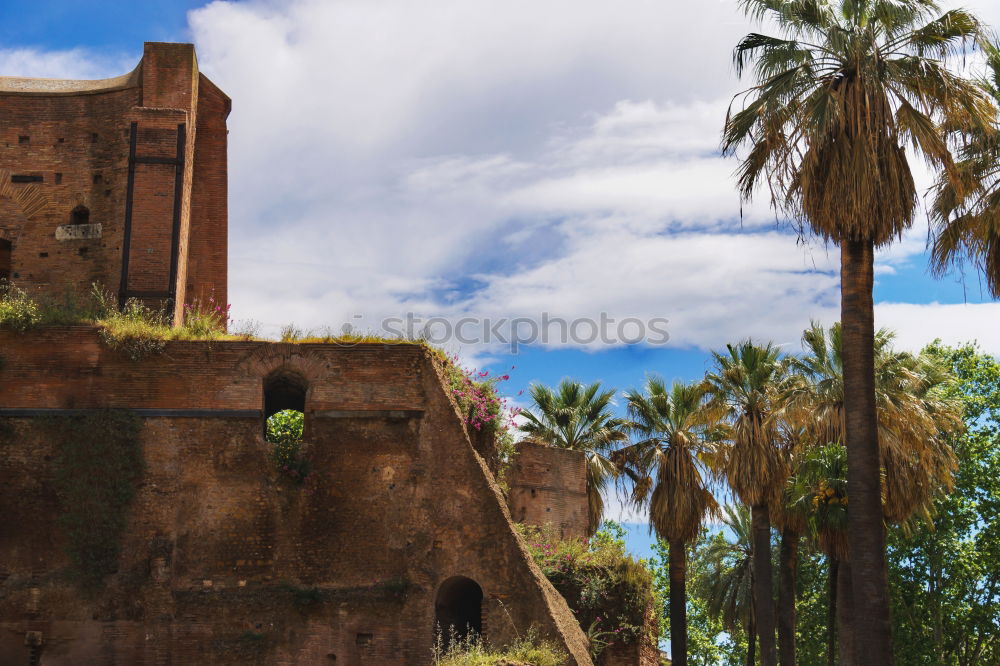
(123, 182)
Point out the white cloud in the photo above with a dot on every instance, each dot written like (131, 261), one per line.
(955, 323)
(69, 64)
(463, 157)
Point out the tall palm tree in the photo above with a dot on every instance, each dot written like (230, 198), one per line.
(669, 478)
(730, 579)
(914, 420)
(578, 418)
(744, 385)
(836, 101)
(966, 210)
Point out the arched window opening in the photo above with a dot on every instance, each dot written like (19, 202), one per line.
(5, 259)
(284, 390)
(284, 421)
(80, 215)
(458, 610)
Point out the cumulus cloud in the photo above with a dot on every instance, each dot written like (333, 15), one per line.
(460, 157)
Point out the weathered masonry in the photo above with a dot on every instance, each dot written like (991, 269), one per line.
(220, 557)
(120, 182)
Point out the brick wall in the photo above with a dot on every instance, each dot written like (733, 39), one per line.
(218, 543)
(548, 486)
(66, 145)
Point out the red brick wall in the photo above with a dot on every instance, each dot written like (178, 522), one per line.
(548, 486)
(400, 503)
(75, 137)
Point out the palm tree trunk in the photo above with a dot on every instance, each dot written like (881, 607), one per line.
(786, 597)
(751, 642)
(845, 613)
(762, 586)
(678, 604)
(866, 531)
(831, 614)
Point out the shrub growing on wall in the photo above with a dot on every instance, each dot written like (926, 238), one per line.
(609, 592)
(284, 430)
(97, 465)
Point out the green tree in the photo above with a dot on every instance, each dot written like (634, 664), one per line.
(578, 418)
(836, 101)
(744, 385)
(669, 479)
(945, 572)
(730, 577)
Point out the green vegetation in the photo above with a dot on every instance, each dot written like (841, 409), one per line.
(96, 468)
(284, 430)
(608, 590)
(472, 651)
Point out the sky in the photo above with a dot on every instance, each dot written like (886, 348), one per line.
(500, 161)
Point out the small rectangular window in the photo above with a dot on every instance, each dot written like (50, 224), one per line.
(98, 179)
(21, 178)
(58, 179)
(24, 139)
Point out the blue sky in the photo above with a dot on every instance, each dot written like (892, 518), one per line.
(466, 159)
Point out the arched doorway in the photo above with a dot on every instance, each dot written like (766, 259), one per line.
(458, 610)
(284, 389)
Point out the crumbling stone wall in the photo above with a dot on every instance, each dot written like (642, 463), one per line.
(548, 486)
(226, 561)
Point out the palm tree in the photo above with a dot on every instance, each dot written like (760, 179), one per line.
(836, 101)
(578, 418)
(730, 579)
(915, 418)
(669, 478)
(744, 385)
(967, 210)
(790, 522)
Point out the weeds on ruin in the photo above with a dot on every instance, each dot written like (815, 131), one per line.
(284, 430)
(607, 589)
(484, 409)
(96, 468)
(18, 311)
(473, 651)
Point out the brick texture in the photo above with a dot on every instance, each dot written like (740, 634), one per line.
(217, 538)
(66, 144)
(548, 486)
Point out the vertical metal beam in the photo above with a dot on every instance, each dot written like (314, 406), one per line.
(175, 237)
(127, 236)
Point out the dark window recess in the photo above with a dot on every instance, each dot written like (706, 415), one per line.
(365, 639)
(58, 179)
(93, 137)
(80, 215)
(98, 179)
(107, 193)
(62, 140)
(5, 252)
(23, 178)
(284, 390)
(43, 254)
(24, 139)
(82, 251)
